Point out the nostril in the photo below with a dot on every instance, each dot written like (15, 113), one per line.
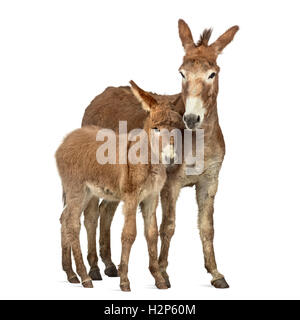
(198, 119)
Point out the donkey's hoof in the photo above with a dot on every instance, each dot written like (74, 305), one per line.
(166, 277)
(125, 287)
(220, 283)
(88, 284)
(111, 271)
(168, 283)
(161, 285)
(74, 280)
(95, 274)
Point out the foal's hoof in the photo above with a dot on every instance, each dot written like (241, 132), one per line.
(125, 287)
(220, 283)
(74, 280)
(161, 285)
(88, 284)
(95, 274)
(111, 271)
(166, 277)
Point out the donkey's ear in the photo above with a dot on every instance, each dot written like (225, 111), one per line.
(145, 98)
(185, 35)
(224, 39)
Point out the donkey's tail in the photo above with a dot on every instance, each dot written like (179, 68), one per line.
(64, 203)
(64, 198)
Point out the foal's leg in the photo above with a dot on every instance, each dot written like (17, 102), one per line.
(72, 225)
(169, 195)
(91, 216)
(148, 207)
(205, 191)
(66, 251)
(107, 211)
(128, 237)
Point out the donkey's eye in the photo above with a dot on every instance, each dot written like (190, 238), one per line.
(182, 74)
(212, 75)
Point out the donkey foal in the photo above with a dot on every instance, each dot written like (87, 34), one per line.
(84, 180)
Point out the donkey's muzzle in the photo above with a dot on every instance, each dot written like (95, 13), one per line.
(191, 121)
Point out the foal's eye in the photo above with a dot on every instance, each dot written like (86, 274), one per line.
(212, 75)
(182, 74)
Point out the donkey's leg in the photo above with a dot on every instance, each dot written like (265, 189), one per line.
(91, 216)
(72, 224)
(107, 211)
(148, 207)
(205, 192)
(169, 195)
(128, 237)
(66, 251)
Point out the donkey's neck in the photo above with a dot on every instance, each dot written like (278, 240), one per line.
(211, 120)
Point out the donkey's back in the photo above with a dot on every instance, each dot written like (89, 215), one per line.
(78, 167)
(116, 104)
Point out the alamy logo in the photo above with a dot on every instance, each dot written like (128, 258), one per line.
(173, 147)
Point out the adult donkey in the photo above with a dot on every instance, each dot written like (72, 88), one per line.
(198, 105)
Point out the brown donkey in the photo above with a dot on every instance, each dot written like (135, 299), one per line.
(84, 179)
(198, 105)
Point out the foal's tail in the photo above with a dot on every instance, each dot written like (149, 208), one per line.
(64, 203)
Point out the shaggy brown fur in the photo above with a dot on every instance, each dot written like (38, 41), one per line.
(105, 110)
(84, 181)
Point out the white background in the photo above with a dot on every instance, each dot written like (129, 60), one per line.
(57, 55)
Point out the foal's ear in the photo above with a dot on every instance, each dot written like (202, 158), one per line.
(185, 35)
(145, 98)
(224, 39)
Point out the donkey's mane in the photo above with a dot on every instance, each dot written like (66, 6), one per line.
(204, 37)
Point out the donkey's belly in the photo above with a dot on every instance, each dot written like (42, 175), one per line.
(192, 179)
(189, 180)
(103, 192)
